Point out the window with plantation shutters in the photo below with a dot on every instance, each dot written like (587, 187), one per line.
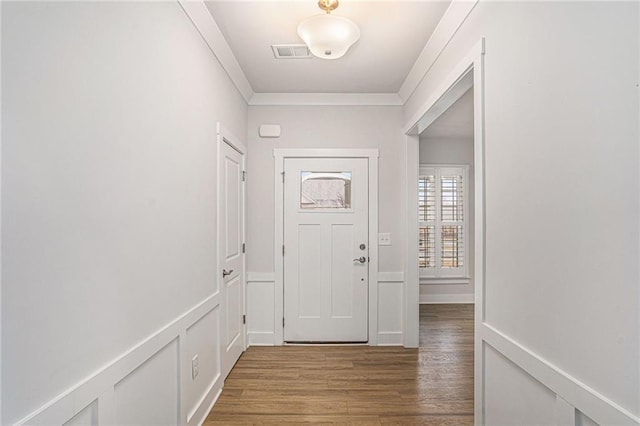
(442, 211)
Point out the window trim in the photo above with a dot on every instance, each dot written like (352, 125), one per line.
(439, 275)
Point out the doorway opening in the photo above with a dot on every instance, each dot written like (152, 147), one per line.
(436, 250)
(446, 206)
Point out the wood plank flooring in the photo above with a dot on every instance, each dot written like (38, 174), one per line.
(358, 385)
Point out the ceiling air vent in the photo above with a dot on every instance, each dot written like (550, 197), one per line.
(290, 51)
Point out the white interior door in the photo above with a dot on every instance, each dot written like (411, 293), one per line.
(326, 249)
(231, 234)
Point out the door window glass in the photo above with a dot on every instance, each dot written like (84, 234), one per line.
(325, 190)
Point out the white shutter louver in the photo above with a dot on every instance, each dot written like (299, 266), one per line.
(427, 217)
(441, 214)
(451, 218)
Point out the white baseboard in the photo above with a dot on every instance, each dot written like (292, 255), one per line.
(432, 299)
(210, 401)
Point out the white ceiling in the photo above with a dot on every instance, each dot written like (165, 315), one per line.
(393, 34)
(455, 123)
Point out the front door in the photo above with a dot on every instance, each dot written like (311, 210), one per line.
(231, 259)
(326, 247)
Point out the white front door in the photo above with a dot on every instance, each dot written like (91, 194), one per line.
(230, 234)
(326, 249)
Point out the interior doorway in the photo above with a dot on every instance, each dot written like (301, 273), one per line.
(231, 258)
(467, 75)
(446, 206)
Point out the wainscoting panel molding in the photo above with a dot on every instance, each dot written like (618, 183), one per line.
(391, 277)
(87, 416)
(261, 321)
(208, 350)
(551, 389)
(150, 393)
(153, 378)
(390, 308)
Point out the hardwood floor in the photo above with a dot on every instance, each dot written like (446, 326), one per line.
(358, 385)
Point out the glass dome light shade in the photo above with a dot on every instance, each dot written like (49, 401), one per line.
(328, 36)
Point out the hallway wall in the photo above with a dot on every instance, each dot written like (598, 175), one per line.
(323, 127)
(562, 292)
(109, 212)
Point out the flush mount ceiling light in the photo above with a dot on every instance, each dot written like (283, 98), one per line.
(328, 36)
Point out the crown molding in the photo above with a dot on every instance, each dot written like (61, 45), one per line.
(201, 18)
(326, 99)
(451, 21)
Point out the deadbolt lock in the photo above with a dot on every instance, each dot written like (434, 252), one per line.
(363, 246)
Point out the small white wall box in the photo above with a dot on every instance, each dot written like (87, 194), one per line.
(270, 131)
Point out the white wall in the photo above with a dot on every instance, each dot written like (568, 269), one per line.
(451, 151)
(323, 127)
(562, 187)
(108, 208)
(320, 127)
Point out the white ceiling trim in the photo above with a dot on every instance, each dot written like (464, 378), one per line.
(445, 102)
(322, 99)
(284, 1)
(452, 20)
(443, 91)
(208, 29)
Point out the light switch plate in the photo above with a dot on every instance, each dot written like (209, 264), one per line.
(384, 239)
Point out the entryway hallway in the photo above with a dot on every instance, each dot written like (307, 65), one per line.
(358, 385)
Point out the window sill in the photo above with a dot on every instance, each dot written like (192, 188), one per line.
(444, 280)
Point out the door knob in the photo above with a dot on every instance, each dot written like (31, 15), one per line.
(361, 259)
(225, 272)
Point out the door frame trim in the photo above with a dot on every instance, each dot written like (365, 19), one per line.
(225, 136)
(280, 155)
(469, 72)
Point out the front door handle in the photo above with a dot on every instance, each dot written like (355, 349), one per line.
(225, 272)
(361, 259)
